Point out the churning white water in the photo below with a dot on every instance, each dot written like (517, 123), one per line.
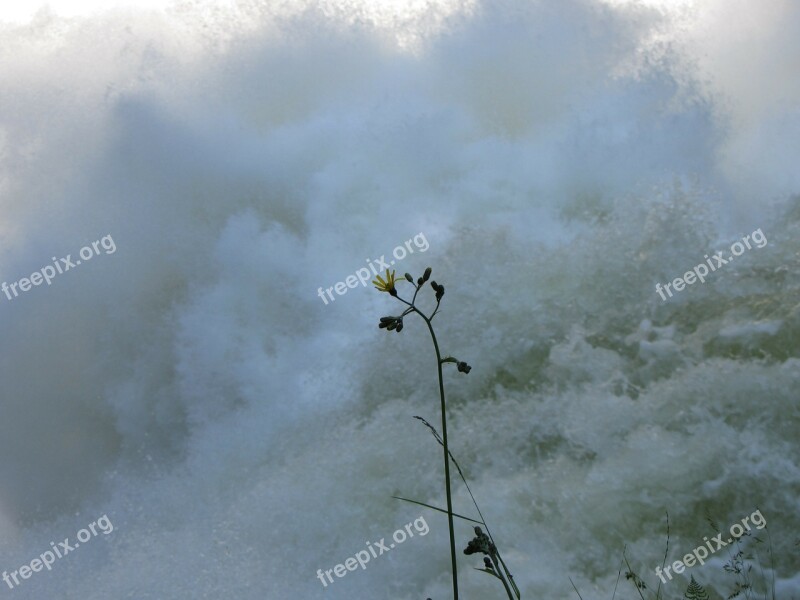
(560, 157)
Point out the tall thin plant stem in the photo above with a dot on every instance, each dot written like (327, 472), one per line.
(446, 458)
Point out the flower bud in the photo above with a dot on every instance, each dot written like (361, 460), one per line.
(427, 274)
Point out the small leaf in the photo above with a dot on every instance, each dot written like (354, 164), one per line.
(695, 591)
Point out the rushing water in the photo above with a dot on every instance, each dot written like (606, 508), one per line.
(559, 158)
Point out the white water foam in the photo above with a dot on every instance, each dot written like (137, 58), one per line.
(561, 159)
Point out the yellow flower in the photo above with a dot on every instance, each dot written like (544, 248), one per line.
(385, 286)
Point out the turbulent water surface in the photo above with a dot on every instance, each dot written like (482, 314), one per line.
(559, 159)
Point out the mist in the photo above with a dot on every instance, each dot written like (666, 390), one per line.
(560, 159)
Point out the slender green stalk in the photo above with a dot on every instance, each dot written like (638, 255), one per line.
(496, 552)
(500, 576)
(446, 457)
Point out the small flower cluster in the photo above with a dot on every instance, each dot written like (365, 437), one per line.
(388, 285)
(395, 323)
(480, 543)
(492, 563)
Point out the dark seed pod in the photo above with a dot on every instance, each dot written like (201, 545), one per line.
(427, 274)
(409, 278)
(387, 322)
